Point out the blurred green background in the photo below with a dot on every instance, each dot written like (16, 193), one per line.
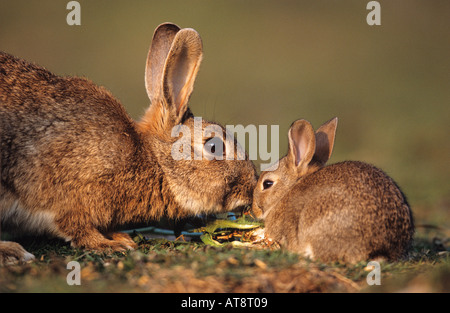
(272, 62)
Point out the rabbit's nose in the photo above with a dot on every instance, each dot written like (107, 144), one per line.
(241, 209)
(256, 211)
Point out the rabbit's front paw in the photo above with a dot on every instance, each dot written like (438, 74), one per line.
(115, 242)
(110, 246)
(123, 239)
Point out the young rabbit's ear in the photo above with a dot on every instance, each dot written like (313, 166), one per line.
(302, 144)
(172, 65)
(325, 141)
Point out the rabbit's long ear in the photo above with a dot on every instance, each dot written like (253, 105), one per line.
(172, 65)
(302, 145)
(156, 58)
(325, 141)
(181, 69)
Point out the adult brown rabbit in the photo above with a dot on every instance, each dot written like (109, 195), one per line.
(349, 211)
(73, 164)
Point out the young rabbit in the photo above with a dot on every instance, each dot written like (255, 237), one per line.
(73, 164)
(349, 211)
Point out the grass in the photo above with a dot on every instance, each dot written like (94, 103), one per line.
(161, 265)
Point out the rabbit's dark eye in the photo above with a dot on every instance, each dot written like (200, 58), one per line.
(215, 147)
(267, 184)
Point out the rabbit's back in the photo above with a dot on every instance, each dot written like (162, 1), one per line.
(349, 211)
(34, 94)
(58, 131)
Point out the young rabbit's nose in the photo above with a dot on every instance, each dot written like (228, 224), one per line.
(256, 211)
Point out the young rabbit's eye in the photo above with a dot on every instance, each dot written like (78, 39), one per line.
(267, 184)
(215, 146)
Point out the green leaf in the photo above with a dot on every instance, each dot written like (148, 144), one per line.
(208, 240)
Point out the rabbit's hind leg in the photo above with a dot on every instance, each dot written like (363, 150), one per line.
(12, 252)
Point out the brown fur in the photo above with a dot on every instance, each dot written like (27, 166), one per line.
(349, 211)
(75, 165)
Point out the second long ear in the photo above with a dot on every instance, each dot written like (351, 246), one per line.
(180, 71)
